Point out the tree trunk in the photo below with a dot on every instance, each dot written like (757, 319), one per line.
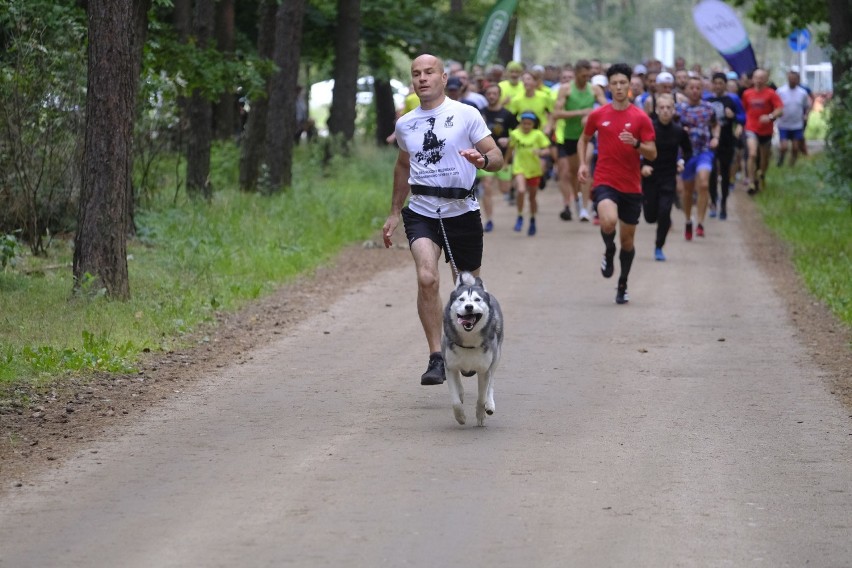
(385, 109)
(341, 120)
(282, 96)
(200, 113)
(183, 18)
(141, 33)
(116, 37)
(840, 37)
(225, 120)
(251, 149)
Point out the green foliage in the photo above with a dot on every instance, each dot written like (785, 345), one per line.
(96, 354)
(189, 263)
(808, 213)
(207, 71)
(390, 27)
(42, 89)
(10, 249)
(173, 69)
(784, 16)
(839, 139)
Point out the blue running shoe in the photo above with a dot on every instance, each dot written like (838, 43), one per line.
(658, 255)
(519, 224)
(531, 231)
(489, 226)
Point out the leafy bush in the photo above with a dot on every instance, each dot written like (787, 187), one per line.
(9, 250)
(42, 86)
(839, 139)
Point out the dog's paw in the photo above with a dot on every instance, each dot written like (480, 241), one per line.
(489, 408)
(459, 413)
(480, 414)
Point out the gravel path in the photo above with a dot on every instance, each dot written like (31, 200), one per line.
(691, 427)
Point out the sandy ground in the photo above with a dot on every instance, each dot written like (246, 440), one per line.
(706, 423)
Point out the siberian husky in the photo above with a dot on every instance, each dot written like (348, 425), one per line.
(473, 339)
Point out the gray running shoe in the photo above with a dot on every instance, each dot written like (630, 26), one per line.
(434, 374)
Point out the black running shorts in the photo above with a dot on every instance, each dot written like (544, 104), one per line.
(629, 204)
(464, 232)
(568, 148)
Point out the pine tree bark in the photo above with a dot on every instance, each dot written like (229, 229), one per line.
(840, 36)
(225, 120)
(282, 96)
(117, 31)
(200, 136)
(341, 120)
(252, 144)
(385, 110)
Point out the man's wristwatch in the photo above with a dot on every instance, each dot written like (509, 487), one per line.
(637, 144)
(485, 165)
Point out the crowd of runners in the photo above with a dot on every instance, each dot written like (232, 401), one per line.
(618, 141)
(537, 115)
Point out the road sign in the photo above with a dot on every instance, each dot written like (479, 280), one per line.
(799, 40)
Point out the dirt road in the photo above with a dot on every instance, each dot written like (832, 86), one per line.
(687, 428)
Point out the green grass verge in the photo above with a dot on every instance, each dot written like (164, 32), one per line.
(189, 260)
(817, 225)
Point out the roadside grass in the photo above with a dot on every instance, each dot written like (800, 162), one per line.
(189, 261)
(817, 225)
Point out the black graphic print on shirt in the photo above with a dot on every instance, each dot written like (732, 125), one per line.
(432, 146)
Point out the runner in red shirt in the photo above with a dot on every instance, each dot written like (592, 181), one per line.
(762, 105)
(624, 134)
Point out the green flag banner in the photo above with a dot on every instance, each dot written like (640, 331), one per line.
(493, 31)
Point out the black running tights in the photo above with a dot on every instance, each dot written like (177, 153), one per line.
(721, 166)
(657, 207)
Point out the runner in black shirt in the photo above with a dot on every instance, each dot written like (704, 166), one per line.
(659, 177)
(500, 122)
(729, 113)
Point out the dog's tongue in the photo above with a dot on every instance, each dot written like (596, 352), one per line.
(467, 319)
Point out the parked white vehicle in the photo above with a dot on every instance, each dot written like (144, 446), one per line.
(321, 93)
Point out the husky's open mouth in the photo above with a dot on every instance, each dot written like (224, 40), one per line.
(469, 321)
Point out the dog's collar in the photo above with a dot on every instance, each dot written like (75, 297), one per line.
(465, 346)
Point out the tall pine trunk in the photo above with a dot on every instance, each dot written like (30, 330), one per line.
(117, 31)
(225, 119)
(252, 144)
(840, 37)
(200, 113)
(385, 109)
(280, 134)
(341, 120)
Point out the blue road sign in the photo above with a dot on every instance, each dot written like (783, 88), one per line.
(799, 40)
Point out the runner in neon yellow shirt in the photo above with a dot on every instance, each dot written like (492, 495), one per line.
(535, 101)
(527, 145)
(512, 86)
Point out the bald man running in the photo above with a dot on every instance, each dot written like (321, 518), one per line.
(441, 144)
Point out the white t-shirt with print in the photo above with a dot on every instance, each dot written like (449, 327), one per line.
(433, 139)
